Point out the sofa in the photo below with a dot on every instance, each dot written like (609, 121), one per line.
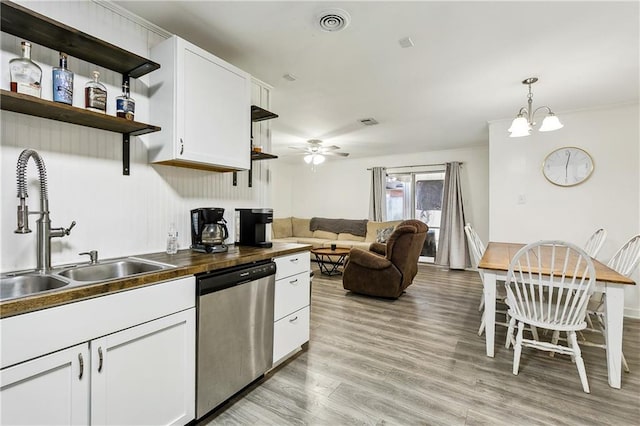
(320, 232)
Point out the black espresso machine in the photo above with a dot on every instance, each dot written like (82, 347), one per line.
(208, 230)
(253, 227)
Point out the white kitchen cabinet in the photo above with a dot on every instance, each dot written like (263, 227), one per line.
(145, 374)
(138, 352)
(291, 305)
(261, 130)
(52, 389)
(203, 105)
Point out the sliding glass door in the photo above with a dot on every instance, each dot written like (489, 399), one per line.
(417, 195)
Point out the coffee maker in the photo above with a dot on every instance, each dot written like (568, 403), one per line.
(208, 230)
(253, 227)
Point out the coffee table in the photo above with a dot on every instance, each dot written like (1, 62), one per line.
(326, 259)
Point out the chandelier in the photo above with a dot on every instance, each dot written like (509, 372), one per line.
(523, 123)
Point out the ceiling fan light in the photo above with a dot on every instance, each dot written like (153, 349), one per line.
(519, 127)
(308, 158)
(318, 159)
(551, 122)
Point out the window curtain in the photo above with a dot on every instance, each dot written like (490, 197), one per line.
(378, 199)
(452, 249)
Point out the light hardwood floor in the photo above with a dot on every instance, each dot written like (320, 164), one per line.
(418, 360)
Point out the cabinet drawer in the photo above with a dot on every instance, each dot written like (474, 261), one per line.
(289, 333)
(292, 293)
(293, 264)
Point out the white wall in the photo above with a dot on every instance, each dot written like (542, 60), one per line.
(115, 214)
(340, 188)
(609, 198)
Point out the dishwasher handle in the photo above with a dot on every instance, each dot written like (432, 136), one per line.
(230, 277)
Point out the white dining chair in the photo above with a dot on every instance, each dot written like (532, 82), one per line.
(548, 285)
(624, 261)
(476, 250)
(594, 243)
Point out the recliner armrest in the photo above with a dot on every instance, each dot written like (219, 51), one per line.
(368, 259)
(379, 248)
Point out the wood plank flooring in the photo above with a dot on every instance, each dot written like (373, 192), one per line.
(419, 361)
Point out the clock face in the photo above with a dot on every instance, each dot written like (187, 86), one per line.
(567, 166)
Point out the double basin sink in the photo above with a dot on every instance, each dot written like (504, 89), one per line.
(23, 284)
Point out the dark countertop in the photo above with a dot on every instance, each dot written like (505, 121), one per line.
(186, 263)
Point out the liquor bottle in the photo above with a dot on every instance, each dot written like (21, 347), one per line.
(125, 106)
(95, 94)
(62, 82)
(26, 75)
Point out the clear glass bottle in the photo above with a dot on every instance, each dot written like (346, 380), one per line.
(125, 106)
(95, 94)
(62, 82)
(26, 75)
(172, 240)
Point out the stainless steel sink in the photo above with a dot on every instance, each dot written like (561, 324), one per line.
(23, 285)
(111, 269)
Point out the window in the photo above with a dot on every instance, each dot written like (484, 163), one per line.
(417, 195)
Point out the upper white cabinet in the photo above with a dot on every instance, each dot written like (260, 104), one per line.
(203, 105)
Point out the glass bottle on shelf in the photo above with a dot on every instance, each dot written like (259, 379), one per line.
(62, 82)
(95, 94)
(125, 106)
(25, 74)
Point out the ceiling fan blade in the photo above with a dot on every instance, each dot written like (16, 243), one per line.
(336, 154)
(330, 148)
(299, 148)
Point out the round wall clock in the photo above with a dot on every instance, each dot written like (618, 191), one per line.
(567, 166)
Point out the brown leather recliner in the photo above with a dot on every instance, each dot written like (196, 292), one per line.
(386, 271)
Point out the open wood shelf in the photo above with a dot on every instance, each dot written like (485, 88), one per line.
(261, 114)
(31, 105)
(257, 156)
(37, 28)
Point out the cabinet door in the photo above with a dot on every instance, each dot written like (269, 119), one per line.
(217, 111)
(52, 389)
(145, 374)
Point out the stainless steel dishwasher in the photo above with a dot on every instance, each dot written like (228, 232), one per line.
(234, 331)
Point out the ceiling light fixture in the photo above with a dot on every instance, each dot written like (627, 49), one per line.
(314, 158)
(523, 123)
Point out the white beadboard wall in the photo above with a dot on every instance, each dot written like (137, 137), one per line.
(115, 214)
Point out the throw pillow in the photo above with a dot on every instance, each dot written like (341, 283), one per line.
(382, 235)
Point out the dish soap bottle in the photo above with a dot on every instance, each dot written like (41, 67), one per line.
(95, 94)
(125, 106)
(62, 82)
(172, 240)
(26, 75)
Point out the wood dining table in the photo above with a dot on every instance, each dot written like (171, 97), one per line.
(495, 264)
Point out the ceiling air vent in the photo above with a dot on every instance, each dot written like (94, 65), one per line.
(333, 20)
(369, 121)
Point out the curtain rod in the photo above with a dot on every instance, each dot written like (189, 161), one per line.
(419, 165)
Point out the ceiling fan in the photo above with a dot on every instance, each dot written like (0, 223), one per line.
(315, 152)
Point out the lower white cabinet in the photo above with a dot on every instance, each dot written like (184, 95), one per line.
(139, 367)
(291, 305)
(146, 374)
(50, 390)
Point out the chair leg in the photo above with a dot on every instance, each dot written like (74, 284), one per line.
(554, 340)
(482, 325)
(624, 364)
(534, 331)
(571, 337)
(517, 348)
(481, 307)
(509, 340)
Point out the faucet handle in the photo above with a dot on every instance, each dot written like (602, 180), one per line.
(93, 255)
(67, 231)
